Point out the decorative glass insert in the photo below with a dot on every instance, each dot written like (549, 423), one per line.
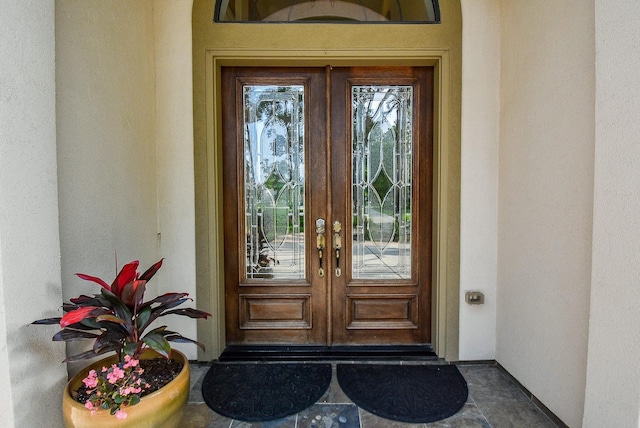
(381, 181)
(410, 11)
(274, 181)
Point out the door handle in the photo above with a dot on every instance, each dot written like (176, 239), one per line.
(320, 242)
(337, 244)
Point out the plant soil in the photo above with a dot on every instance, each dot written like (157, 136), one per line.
(157, 372)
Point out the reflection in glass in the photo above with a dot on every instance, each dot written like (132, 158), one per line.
(424, 11)
(381, 180)
(274, 181)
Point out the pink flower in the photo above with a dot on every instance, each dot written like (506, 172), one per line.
(130, 362)
(115, 375)
(91, 381)
(88, 405)
(121, 414)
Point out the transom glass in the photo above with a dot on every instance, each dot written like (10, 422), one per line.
(408, 11)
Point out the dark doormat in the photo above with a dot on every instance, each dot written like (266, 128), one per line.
(262, 391)
(405, 393)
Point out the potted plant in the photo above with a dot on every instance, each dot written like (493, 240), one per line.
(122, 390)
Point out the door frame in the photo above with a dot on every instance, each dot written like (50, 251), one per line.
(212, 292)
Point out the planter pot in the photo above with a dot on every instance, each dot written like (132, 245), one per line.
(162, 408)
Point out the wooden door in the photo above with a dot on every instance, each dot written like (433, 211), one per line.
(327, 205)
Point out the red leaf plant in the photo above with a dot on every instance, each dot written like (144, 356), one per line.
(118, 318)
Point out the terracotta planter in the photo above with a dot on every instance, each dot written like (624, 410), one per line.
(162, 408)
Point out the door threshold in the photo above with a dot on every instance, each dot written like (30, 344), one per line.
(327, 353)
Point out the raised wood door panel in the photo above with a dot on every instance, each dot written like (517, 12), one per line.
(262, 306)
(380, 308)
(351, 300)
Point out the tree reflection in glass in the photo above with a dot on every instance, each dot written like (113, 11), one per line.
(274, 181)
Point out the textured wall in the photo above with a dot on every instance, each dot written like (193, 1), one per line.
(125, 128)
(479, 177)
(31, 369)
(546, 198)
(174, 134)
(106, 103)
(613, 375)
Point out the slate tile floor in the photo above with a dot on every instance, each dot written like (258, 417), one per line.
(495, 401)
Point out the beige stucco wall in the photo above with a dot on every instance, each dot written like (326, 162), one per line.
(613, 369)
(99, 176)
(105, 82)
(31, 371)
(479, 176)
(125, 143)
(175, 157)
(546, 198)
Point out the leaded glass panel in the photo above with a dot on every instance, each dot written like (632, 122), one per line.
(381, 181)
(274, 181)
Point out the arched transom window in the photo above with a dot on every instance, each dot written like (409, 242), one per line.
(371, 11)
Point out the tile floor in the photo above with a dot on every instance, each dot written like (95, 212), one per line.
(495, 401)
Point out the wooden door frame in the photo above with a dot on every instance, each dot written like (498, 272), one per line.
(444, 326)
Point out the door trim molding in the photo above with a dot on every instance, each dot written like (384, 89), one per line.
(211, 293)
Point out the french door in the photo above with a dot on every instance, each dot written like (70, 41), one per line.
(327, 193)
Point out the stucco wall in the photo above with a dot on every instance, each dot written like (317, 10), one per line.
(125, 143)
(546, 198)
(479, 176)
(174, 136)
(105, 80)
(31, 371)
(613, 375)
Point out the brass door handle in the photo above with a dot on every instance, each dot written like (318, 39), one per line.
(337, 244)
(320, 242)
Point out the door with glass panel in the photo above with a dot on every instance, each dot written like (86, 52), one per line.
(327, 188)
